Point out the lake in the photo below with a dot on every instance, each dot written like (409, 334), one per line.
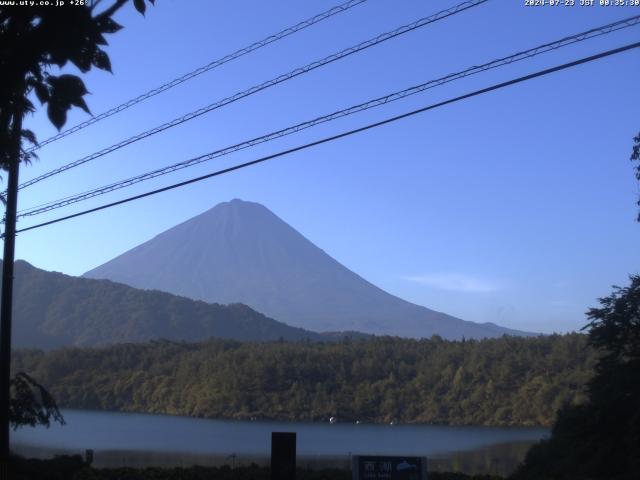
(140, 439)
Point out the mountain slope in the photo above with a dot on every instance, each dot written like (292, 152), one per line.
(52, 309)
(241, 252)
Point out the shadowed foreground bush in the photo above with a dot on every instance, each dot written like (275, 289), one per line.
(58, 468)
(73, 468)
(600, 440)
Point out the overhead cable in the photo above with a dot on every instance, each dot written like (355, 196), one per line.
(391, 97)
(258, 88)
(343, 7)
(342, 135)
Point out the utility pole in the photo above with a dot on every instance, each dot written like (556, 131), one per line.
(6, 305)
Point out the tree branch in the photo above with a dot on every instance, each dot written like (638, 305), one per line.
(111, 10)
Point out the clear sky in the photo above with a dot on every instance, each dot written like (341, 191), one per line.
(516, 207)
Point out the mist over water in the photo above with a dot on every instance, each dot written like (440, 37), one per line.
(183, 440)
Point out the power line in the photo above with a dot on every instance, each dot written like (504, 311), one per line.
(348, 133)
(270, 83)
(579, 37)
(205, 68)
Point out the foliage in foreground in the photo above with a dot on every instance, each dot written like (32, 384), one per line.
(600, 439)
(37, 39)
(31, 404)
(73, 468)
(505, 381)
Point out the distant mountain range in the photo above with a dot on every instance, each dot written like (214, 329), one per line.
(52, 310)
(240, 252)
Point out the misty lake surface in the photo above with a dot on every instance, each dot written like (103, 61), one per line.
(163, 433)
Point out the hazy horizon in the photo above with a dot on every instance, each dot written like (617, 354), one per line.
(516, 207)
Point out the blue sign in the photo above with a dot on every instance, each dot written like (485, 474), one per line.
(370, 467)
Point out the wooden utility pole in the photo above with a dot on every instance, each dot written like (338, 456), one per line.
(6, 305)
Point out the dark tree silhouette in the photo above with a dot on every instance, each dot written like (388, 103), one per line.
(600, 439)
(635, 157)
(34, 40)
(31, 403)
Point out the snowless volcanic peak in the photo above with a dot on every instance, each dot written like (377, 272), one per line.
(241, 252)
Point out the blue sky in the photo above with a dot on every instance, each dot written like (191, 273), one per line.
(516, 207)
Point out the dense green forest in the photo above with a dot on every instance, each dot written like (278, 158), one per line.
(54, 310)
(505, 381)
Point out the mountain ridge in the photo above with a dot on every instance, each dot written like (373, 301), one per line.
(52, 310)
(242, 252)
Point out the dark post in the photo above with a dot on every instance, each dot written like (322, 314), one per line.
(7, 295)
(283, 456)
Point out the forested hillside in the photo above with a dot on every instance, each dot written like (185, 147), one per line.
(505, 381)
(53, 310)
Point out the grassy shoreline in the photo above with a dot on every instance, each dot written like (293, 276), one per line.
(73, 468)
(499, 459)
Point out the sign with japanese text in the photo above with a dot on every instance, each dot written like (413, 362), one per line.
(369, 467)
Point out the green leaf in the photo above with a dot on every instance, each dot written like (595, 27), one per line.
(100, 40)
(66, 90)
(140, 6)
(28, 106)
(83, 59)
(79, 102)
(67, 85)
(42, 92)
(30, 136)
(57, 113)
(101, 60)
(107, 25)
